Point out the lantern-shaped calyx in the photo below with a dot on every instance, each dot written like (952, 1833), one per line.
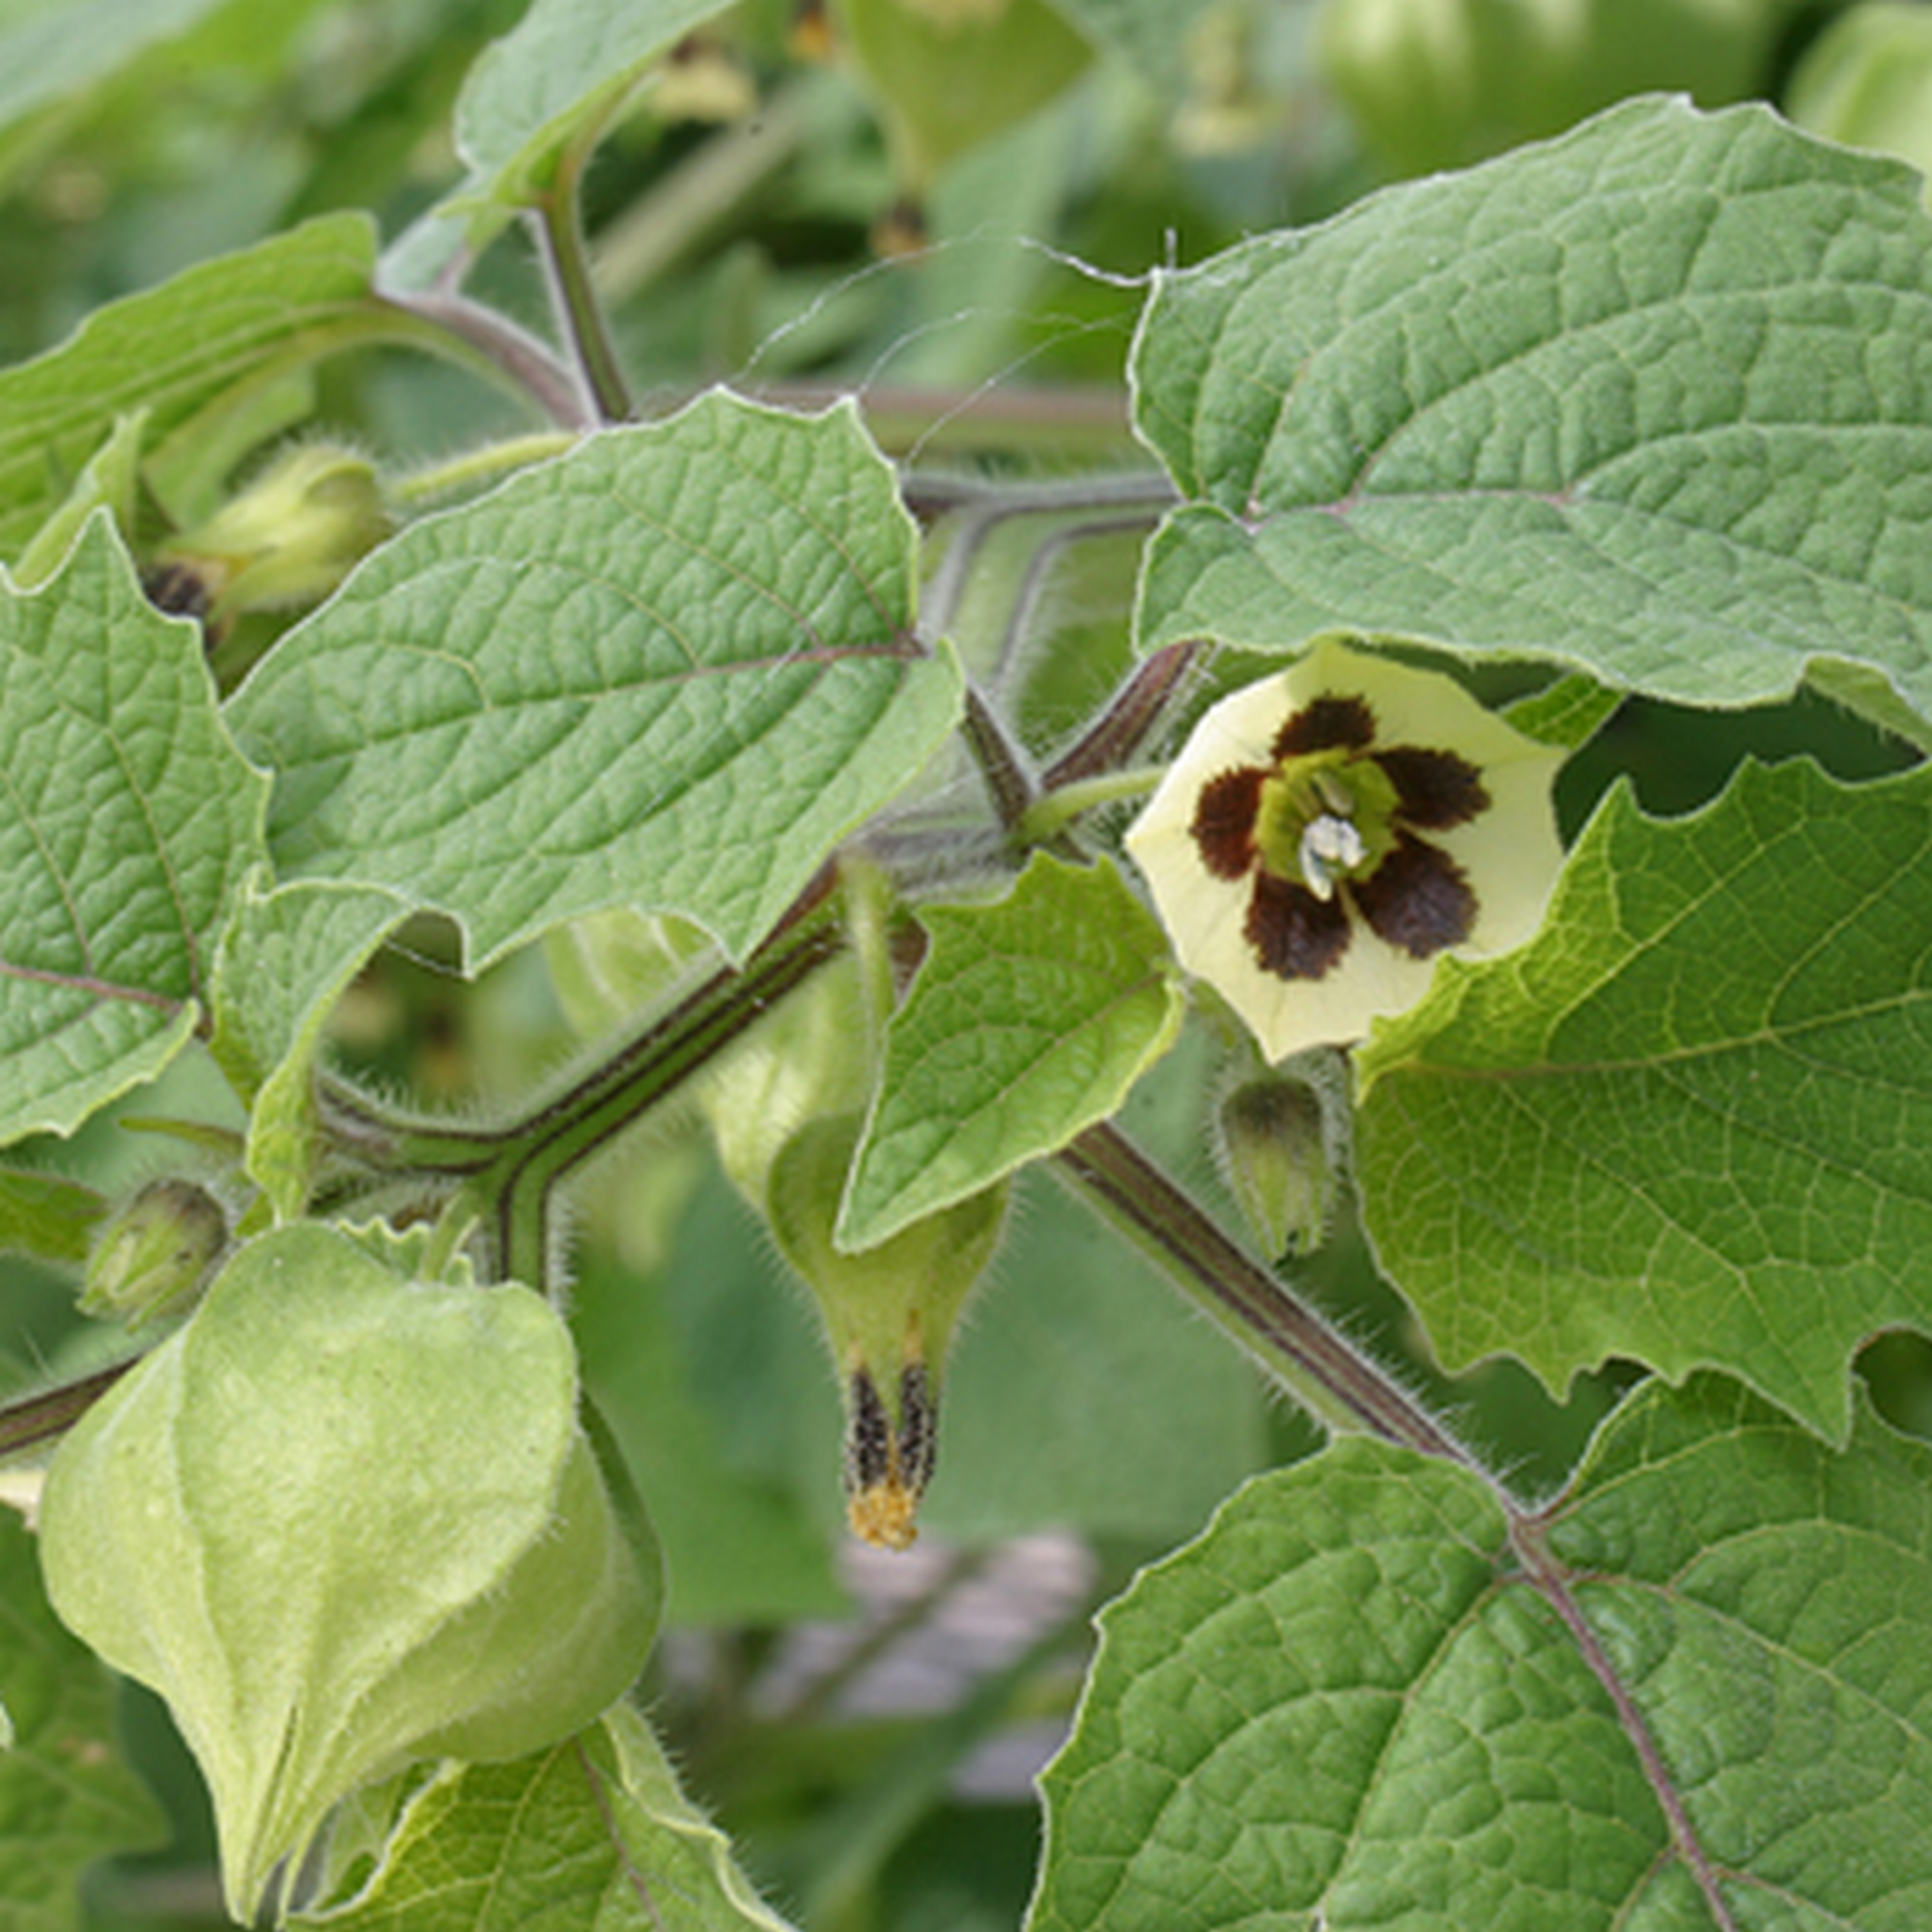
(1326, 834)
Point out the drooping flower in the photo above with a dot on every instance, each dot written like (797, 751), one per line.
(1328, 833)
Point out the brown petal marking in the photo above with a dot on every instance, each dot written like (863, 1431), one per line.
(1433, 789)
(919, 1428)
(1325, 724)
(868, 1435)
(1295, 935)
(1417, 898)
(1224, 820)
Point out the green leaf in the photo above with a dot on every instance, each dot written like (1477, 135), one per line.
(670, 670)
(52, 51)
(231, 332)
(110, 479)
(1356, 1702)
(1441, 83)
(67, 1795)
(44, 1214)
(1647, 401)
(286, 958)
(1690, 1123)
(1029, 1020)
(592, 1835)
(340, 1520)
(1570, 712)
(1868, 80)
(126, 823)
(551, 85)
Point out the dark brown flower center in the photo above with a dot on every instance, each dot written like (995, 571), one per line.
(1328, 831)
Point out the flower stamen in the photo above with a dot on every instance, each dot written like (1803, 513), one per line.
(1329, 842)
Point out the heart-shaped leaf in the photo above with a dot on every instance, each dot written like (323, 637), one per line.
(1688, 1123)
(127, 822)
(1030, 1019)
(670, 670)
(1690, 1692)
(1649, 399)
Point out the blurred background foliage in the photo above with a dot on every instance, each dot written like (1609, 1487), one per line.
(951, 207)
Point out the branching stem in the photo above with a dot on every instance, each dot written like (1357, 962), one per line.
(504, 1174)
(1002, 763)
(506, 351)
(1111, 503)
(1053, 811)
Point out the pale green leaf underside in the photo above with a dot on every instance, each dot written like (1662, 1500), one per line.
(591, 1836)
(1691, 1123)
(45, 1215)
(1345, 1705)
(552, 81)
(1029, 1021)
(126, 821)
(287, 957)
(67, 1795)
(670, 670)
(224, 327)
(1654, 400)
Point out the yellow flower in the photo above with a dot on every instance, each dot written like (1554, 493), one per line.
(1326, 834)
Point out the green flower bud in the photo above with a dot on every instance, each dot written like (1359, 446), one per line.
(289, 538)
(889, 1314)
(340, 1520)
(153, 1258)
(810, 1057)
(1275, 1153)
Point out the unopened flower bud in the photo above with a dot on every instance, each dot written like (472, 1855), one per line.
(1275, 1152)
(889, 1313)
(154, 1256)
(289, 538)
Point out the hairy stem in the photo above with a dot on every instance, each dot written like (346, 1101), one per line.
(31, 1419)
(506, 351)
(1053, 811)
(1111, 503)
(1337, 1384)
(1131, 714)
(504, 1175)
(559, 232)
(475, 468)
(1002, 763)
